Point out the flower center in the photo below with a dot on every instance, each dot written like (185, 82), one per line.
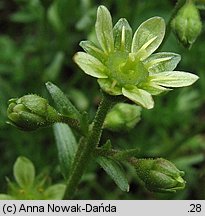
(126, 69)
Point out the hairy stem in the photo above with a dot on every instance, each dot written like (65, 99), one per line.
(87, 146)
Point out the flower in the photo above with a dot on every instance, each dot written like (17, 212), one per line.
(31, 112)
(160, 175)
(125, 65)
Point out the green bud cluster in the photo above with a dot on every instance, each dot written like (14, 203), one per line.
(160, 175)
(31, 112)
(187, 24)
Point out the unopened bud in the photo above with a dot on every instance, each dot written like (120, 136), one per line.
(122, 117)
(187, 24)
(31, 112)
(160, 175)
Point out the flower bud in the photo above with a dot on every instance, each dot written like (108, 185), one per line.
(160, 175)
(187, 24)
(31, 112)
(122, 117)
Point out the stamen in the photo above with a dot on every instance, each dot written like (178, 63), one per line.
(148, 43)
(142, 52)
(113, 83)
(123, 38)
(156, 61)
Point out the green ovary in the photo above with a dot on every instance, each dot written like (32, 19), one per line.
(124, 70)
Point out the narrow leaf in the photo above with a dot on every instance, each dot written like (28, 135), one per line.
(148, 37)
(122, 155)
(115, 171)
(139, 96)
(54, 17)
(163, 61)
(24, 172)
(122, 35)
(66, 145)
(90, 65)
(103, 29)
(63, 104)
(174, 78)
(53, 70)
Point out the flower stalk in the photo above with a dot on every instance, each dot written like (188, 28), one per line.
(87, 146)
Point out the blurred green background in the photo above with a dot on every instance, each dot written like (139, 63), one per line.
(38, 39)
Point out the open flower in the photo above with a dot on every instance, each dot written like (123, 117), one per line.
(125, 65)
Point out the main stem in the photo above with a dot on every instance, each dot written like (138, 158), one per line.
(87, 146)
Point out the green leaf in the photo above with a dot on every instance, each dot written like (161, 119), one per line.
(148, 37)
(79, 98)
(6, 197)
(122, 35)
(55, 192)
(163, 61)
(53, 70)
(174, 79)
(107, 146)
(54, 17)
(139, 96)
(126, 154)
(24, 17)
(103, 28)
(106, 85)
(115, 171)
(24, 172)
(90, 65)
(190, 160)
(63, 104)
(92, 49)
(66, 145)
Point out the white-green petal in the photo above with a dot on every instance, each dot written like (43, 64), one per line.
(104, 29)
(90, 65)
(139, 96)
(153, 88)
(122, 35)
(92, 49)
(148, 37)
(110, 86)
(24, 172)
(174, 78)
(163, 61)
